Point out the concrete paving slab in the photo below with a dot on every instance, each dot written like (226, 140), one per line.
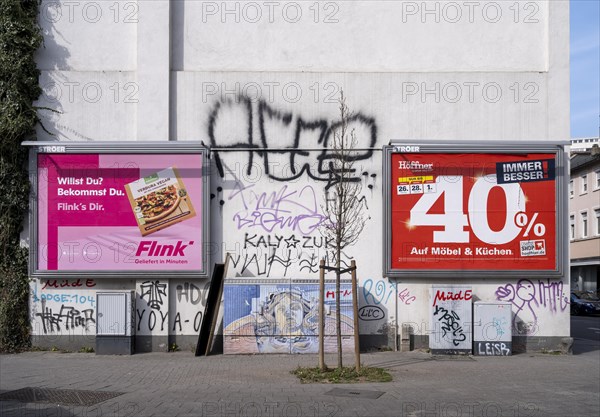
(180, 384)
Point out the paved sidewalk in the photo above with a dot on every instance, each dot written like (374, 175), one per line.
(179, 384)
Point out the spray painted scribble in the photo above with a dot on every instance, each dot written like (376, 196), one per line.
(285, 134)
(153, 292)
(188, 307)
(68, 317)
(279, 263)
(66, 283)
(382, 292)
(527, 298)
(66, 306)
(451, 327)
(285, 209)
(406, 297)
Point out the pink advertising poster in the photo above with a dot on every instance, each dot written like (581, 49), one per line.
(120, 212)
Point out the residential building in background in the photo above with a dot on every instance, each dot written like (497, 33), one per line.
(584, 215)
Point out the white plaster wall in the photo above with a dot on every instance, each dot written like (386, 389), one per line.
(88, 35)
(87, 105)
(360, 36)
(438, 105)
(182, 70)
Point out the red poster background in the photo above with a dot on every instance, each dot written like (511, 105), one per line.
(413, 246)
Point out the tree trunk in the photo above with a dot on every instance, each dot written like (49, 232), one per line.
(338, 315)
(355, 315)
(322, 315)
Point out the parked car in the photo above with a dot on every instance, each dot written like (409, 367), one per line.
(584, 303)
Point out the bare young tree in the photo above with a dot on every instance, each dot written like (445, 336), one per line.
(345, 213)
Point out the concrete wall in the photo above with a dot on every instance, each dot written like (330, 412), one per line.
(244, 76)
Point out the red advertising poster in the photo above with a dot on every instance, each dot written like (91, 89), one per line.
(120, 212)
(473, 211)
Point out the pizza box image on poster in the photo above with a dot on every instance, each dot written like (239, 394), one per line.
(159, 201)
(132, 209)
(472, 207)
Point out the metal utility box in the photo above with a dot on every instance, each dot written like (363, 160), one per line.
(451, 318)
(115, 323)
(492, 331)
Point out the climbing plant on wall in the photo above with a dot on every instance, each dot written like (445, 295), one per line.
(20, 37)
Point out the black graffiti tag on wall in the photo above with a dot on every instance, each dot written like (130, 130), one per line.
(190, 293)
(151, 319)
(157, 316)
(231, 125)
(450, 325)
(153, 292)
(260, 261)
(68, 317)
(371, 313)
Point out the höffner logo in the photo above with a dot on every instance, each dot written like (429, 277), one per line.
(415, 166)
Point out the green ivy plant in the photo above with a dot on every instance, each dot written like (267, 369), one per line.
(20, 37)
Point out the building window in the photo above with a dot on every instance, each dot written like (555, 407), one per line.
(584, 224)
(572, 226)
(597, 217)
(571, 188)
(584, 184)
(597, 181)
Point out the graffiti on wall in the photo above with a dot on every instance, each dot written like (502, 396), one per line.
(243, 123)
(406, 297)
(153, 292)
(381, 292)
(376, 305)
(180, 313)
(190, 300)
(275, 255)
(281, 318)
(67, 316)
(378, 291)
(529, 298)
(152, 310)
(68, 283)
(371, 313)
(64, 306)
(285, 209)
(280, 222)
(280, 230)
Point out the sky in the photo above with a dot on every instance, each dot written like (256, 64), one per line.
(585, 68)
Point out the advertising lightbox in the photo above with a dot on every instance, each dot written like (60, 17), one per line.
(473, 207)
(114, 209)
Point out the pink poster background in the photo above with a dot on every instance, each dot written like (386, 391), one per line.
(100, 233)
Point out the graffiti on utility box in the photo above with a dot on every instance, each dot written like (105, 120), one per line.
(451, 319)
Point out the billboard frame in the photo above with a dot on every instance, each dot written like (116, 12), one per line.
(479, 147)
(104, 147)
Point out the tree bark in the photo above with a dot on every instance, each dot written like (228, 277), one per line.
(322, 315)
(355, 314)
(338, 315)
